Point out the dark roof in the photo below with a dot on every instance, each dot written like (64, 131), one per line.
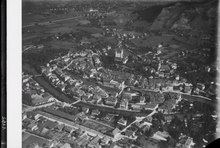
(50, 124)
(165, 67)
(68, 128)
(128, 133)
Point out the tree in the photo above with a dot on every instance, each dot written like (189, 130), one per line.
(26, 99)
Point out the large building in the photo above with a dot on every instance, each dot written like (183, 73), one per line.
(119, 54)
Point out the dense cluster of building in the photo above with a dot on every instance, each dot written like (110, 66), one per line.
(33, 94)
(88, 81)
(132, 74)
(62, 125)
(61, 132)
(82, 76)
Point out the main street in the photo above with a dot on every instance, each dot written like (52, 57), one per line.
(27, 108)
(62, 97)
(185, 96)
(70, 123)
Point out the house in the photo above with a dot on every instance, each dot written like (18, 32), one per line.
(100, 92)
(143, 124)
(50, 124)
(142, 99)
(42, 99)
(37, 99)
(108, 84)
(37, 116)
(168, 118)
(164, 68)
(62, 86)
(94, 142)
(71, 81)
(124, 104)
(67, 129)
(66, 145)
(109, 118)
(133, 96)
(187, 87)
(136, 107)
(48, 97)
(44, 131)
(174, 66)
(95, 112)
(129, 133)
(116, 131)
(79, 131)
(66, 78)
(115, 83)
(161, 74)
(24, 116)
(161, 136)
(84, 143)
(189, 143)
(81, 116)
(200, 86)
(148, 119)
(33, 126)
(111, 101)
(84, 109)
(119, 54)
(31, 92)
(185, 142)
(53, 66)
(25, 78)
(30, 115)
(122, 122)
(60, 127)
(145, 128)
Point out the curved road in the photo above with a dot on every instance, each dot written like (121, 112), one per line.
(62, 97)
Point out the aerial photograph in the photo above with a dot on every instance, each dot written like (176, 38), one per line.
(119, 73)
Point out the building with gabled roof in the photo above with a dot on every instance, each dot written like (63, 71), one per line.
(94, 142)
(122, 122)
(111, 101)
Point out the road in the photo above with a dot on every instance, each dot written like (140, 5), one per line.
(50, 22)
(70, 123)
(62, 97)
(27, 108)
(185, 96)
(119, 136)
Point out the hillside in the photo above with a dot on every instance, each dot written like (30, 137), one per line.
(186, 16)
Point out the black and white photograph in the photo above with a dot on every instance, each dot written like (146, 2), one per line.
(115, 73)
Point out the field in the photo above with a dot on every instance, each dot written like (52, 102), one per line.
(178, 36)
(152, 41)
(28, 140)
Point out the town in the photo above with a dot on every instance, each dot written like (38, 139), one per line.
(96, 77)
